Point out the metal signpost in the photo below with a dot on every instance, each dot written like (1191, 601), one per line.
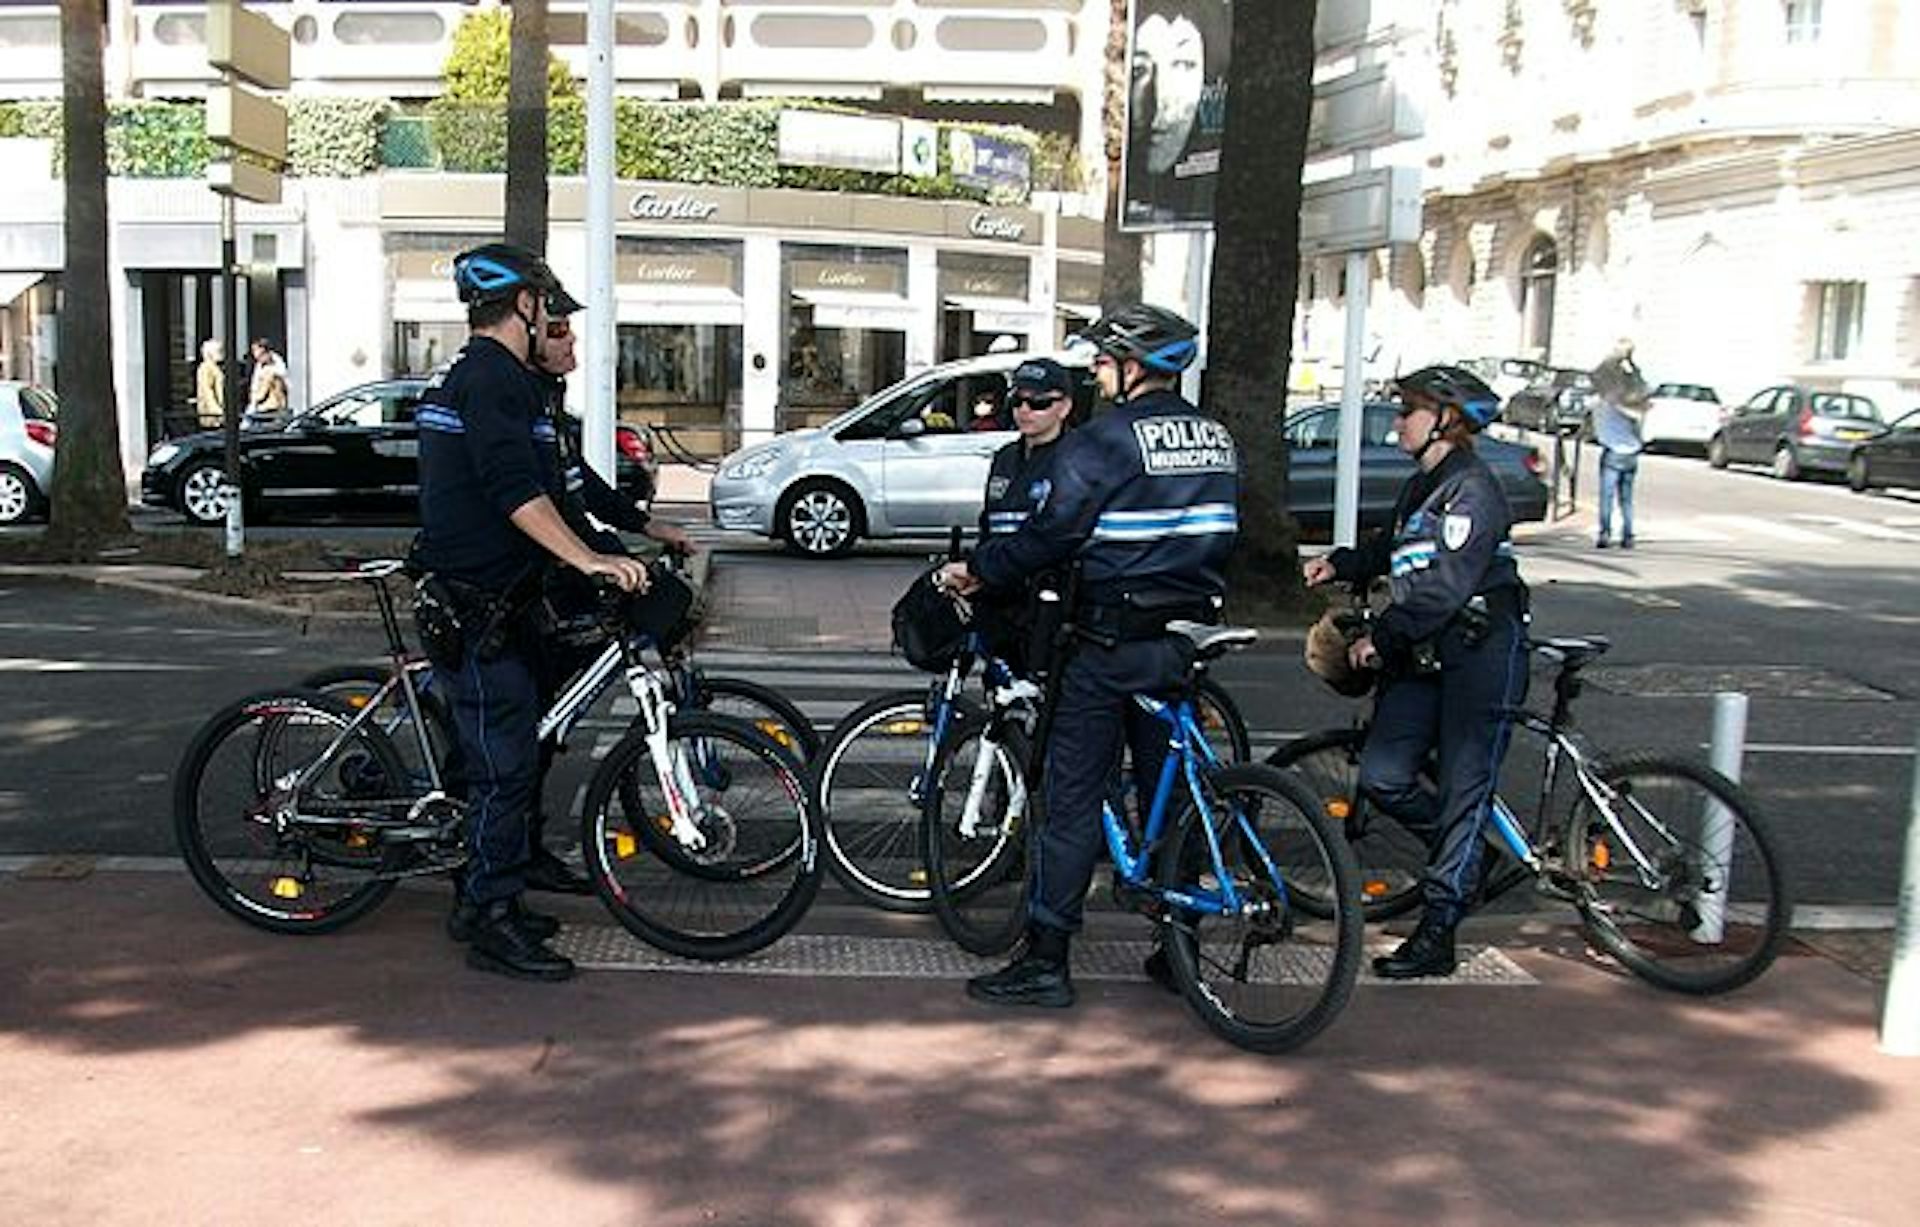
(252, 132)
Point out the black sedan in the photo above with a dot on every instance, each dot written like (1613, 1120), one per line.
(356, 451)
(1890, 459)
(1313, 437)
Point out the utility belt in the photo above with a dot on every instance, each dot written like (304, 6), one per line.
(1138, 616)
(454, 616)
(1475, 621)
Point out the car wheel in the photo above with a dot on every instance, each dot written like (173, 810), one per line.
(1857, 475)
(200, 498)
(820, 519)
(1717, 452)
(1786, 466)
(18, 496)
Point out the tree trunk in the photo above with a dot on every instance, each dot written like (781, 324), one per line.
(1256, 280)
(89, 477)
(527, 127)
(1120, 265)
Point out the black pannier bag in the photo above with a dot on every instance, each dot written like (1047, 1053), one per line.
(929, 626)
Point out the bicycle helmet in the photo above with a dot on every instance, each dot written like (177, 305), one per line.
(1457, 387)
(493, 272)
(1155, 337)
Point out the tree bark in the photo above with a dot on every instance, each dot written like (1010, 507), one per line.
(526, 222)
(1120, 263)
(1255, 283)
(89, 476)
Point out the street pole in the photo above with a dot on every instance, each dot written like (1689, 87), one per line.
(1727, 749)
(1900, 1020)
(230, 372)
(1346, 472)
(597, 431)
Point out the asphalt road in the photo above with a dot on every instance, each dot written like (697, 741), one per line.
(1802, 596)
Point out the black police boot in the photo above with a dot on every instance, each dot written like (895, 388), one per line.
(501, 945)
(1429, 952)
(1159, 968)
(1038, 977)
(465, 917)
(549, 873)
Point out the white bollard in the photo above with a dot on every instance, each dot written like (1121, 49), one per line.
(1900, 1019)
(1716, 825)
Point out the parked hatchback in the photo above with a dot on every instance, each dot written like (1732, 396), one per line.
(899, 464)
(29, 424)
(1555, 402)
(1889, 459)
(1794, 431)
(1681, 415)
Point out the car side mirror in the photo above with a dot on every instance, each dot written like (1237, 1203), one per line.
(911, 428)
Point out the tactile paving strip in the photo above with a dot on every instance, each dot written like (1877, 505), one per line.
(609, 948)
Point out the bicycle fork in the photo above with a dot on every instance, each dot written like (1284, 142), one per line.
(670, 765)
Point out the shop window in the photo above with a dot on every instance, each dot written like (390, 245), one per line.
(1838, 309)
(421, 349)
(680, 375)
(834, 368)
(27, 32)
(389, 29)
(180, 29)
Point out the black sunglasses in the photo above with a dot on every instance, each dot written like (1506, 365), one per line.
(557, 328)
(1022, 401)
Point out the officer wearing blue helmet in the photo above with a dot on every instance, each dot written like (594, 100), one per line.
(1145, 499)
(1451, 649)
(491, 525)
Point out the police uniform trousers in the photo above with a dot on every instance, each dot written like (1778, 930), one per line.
(1458, 714)
(496, 712)
(1094, 719)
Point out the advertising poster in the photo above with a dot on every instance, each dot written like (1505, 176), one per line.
(1176, 112)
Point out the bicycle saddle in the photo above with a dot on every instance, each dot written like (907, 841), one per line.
(1211, 641)
(1572, 650)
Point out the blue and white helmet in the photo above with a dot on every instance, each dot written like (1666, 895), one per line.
(1458, 387)
(1155, 337)
(495, 271)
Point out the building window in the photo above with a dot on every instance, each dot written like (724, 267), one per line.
(1840, 304)
(1803, 21)
(1537, 275)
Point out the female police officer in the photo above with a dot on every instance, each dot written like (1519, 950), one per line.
(1018, 483)
(1451, 648)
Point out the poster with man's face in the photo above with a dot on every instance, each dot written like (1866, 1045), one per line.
(1176, 112)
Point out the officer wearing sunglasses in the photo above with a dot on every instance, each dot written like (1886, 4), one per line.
(1018, 482)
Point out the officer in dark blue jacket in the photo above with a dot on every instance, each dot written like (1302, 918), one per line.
(1145, 498)
(1019, 480)
(490, 525)
(1451, 648)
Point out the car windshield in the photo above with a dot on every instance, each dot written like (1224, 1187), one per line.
(38, 405)
(1908, 421)
(1836, 405)
(1685, 391)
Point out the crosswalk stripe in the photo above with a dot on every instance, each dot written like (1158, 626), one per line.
(1754, 526)
(1865, 528)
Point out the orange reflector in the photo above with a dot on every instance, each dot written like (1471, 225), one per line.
(1602, 855)
(1339, 808)
(359, 700)
(287, 888)
(625, 845)
(917, 876)
(777, 731)
(904, 728)
(1374, 889)
(358, 839)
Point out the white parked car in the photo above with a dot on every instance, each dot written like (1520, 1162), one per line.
(29, 426)
(1681, 415)
(899, 464)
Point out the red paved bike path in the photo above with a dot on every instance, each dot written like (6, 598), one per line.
(162, 1063)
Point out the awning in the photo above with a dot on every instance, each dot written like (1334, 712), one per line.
(13, 285)
(848, 309)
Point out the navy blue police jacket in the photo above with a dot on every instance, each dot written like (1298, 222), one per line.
(586, 491)
(482, 427)
(1449, 543)
(1145, 497)
(1018, 482)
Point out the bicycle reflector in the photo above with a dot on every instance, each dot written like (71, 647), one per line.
(625, 845)
(286, 888)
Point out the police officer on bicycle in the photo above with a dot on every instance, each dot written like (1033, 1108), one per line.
(1020, 478)
(491, 526)
(1144, 498)
(1451, 648)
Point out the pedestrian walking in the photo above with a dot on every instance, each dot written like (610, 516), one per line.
(268, 388)
(210, 385)
(1620, 399)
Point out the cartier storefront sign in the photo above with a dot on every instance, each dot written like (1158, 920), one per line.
(847, 277)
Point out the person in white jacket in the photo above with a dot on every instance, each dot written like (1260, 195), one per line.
(1620, 399)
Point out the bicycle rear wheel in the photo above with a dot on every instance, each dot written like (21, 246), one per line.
(238, 819)
(356, 685)
(977, 861)
(868, 786)
(1272, 976)
(1390, 858)
(755, 874)
(1705, 905)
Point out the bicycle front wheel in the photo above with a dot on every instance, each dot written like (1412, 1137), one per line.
(244, 826)
(1269, 976)
(1390, 858)
(976, 829)
(1682, 882)
(749, 874)
(868, 783)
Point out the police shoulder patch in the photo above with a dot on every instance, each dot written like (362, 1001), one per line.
(1455, 529)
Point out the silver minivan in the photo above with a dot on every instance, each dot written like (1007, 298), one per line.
(909, 461)
(29, 425)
